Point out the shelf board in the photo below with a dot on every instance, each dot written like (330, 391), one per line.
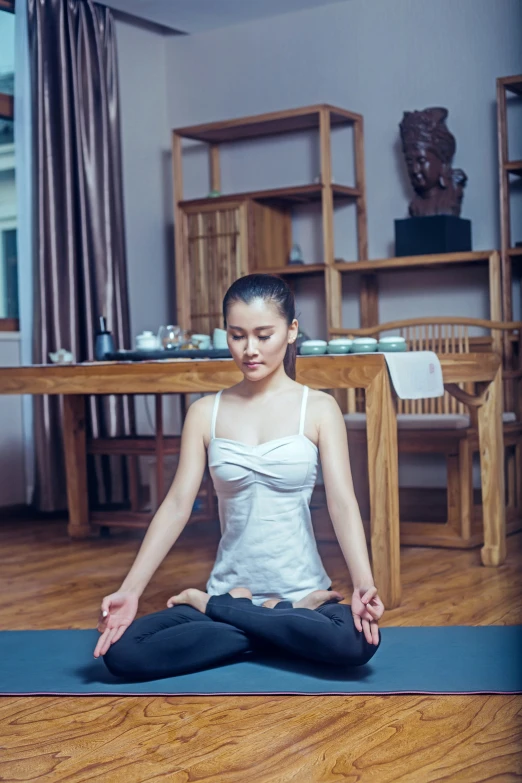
(512, 83)
(514, 167)
(514, 251)
(412, 262)
(300, 194)
(270, 124)
(294, 270)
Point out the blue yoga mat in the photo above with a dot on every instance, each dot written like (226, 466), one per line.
(454, 659)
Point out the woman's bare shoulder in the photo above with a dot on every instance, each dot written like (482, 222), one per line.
(198, 421)
(204, 405)
(322, 409)
(322, 401)
(199, 414)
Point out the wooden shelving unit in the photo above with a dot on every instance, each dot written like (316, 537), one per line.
(507, 169)
(218, 239)
(369, 270)
(221, 238)
(300, 194)
(414, 262)
(299, 270)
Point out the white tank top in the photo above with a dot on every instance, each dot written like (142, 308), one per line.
(267, 541)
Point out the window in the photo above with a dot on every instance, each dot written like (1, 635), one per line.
(8, 204)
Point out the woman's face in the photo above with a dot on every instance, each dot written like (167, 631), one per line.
(258, 337)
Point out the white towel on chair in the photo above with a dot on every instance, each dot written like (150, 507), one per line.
(415, 374)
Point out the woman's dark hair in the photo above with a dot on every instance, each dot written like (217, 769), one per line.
(272, 289)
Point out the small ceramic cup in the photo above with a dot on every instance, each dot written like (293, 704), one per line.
(219, 339)
(364, 345)
(146, 341)
(339, 345)
(202, 341)
(392, 344)
(310, 347)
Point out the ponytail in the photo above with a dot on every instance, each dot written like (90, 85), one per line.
(290, 360)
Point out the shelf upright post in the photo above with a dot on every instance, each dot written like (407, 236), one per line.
(360, 184)
(508, 253)
(369, 289)
(181, 260)
(215, 168)
(505, 228)
(332, 276)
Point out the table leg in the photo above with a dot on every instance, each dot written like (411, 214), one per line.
(383, 474)
(76, 466)
(491, 445)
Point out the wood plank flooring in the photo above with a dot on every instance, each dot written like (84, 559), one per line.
(47, 581)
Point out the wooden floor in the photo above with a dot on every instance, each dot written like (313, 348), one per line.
(47, 581)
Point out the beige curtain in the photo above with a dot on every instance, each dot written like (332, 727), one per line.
(80, 265)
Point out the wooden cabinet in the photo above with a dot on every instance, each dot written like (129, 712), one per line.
(216, 255)
(224, 241)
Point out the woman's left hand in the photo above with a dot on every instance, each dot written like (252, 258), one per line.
(367, 609)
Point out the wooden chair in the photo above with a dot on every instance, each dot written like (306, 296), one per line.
(157, 446)
(444, 425)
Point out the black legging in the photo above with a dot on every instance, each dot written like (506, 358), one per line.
(182, 639)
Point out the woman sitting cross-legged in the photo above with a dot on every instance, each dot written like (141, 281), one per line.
(268, 589)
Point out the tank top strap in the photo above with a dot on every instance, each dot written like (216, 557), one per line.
(303, 410)
(214, 414)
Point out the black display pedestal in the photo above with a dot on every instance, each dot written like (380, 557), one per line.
(419, 236)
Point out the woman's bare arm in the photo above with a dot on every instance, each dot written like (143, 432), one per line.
(341, 501)
(174, 513)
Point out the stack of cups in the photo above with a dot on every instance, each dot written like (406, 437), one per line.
(219, 339)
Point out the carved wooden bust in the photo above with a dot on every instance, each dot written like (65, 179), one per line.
(428, 148)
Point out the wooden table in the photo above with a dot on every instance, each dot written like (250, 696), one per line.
(319, 372)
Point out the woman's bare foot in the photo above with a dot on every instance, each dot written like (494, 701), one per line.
(240, 592)
(191, 596)
(272, 602)
(311, 601)
(318, 598)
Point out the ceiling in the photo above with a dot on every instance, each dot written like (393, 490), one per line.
(196, 16)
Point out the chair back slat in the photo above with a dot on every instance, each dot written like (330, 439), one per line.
(439, 338)
(351, 401)
(451, 335)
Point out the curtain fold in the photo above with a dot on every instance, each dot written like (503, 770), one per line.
(80, 264)
(24, 232)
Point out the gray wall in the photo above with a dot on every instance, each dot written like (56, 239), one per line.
(377, 58)
(146, 173)
(147, 184)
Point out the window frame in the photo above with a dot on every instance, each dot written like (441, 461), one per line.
(7, 113)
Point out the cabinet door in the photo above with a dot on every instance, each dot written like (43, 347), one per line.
(216, 246)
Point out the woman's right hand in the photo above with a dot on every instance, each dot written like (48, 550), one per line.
(117, 612)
